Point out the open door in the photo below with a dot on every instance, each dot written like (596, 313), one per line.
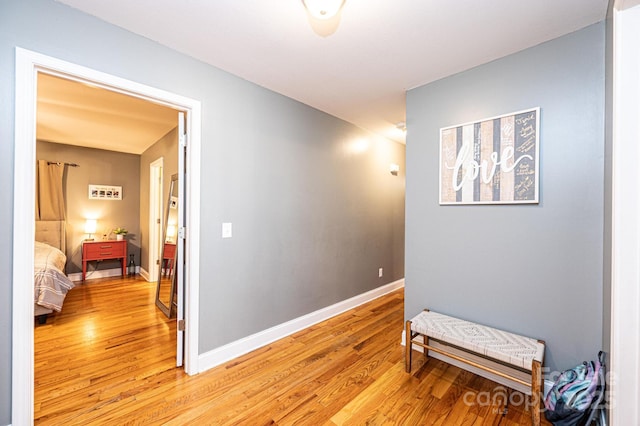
(181, 239)
(170, 288)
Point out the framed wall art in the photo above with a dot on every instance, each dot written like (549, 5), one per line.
(491, 161)
(105, 192)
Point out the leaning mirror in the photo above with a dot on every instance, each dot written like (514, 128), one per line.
(167, 264)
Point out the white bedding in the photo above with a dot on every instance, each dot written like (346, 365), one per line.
(51, 284)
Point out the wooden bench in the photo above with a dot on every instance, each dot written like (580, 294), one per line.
(513, 360)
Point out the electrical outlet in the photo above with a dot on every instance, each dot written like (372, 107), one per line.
(380, 273)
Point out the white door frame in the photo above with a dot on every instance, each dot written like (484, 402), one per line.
(156, 173)
(28, 64)
(625, 280)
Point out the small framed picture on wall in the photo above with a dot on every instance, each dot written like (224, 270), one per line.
(105, 192)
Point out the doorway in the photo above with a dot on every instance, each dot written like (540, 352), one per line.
(625, 291)
(28, 65)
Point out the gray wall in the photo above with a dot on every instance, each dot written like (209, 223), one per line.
(313, 218)
(99, 167)
(530, 269)
(167, 148)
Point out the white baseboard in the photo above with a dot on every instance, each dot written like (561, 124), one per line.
(547, 383)
(247, 344)
(104, 273)
(144, 273)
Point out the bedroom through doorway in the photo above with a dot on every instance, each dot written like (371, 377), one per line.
(28, 66)
(94, 137)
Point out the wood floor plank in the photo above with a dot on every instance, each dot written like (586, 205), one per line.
(108, 358)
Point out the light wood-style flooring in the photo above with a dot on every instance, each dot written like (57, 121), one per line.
(109, 357)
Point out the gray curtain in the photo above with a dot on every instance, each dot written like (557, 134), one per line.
(49, 194)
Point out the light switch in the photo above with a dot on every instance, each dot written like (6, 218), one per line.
(227, 230)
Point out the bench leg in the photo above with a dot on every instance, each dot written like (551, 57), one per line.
(407, 347)
(425, 350)
(536, 392)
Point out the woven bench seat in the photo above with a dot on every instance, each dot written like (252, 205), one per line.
(453, 337)
(497, 344)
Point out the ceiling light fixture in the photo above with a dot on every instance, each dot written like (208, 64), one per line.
(324, 15)
(323, 9)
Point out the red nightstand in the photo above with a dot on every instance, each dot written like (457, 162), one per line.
(104, 250)
(168, 257)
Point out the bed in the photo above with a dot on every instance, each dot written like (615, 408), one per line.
(50, 282)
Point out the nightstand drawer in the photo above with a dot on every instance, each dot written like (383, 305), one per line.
(104, 249)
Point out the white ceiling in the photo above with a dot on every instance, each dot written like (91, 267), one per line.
(84, 115)
(360, 73)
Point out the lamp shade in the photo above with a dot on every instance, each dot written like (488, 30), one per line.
(90, 226)
(323, 9)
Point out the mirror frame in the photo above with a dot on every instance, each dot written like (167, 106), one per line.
(167, 310)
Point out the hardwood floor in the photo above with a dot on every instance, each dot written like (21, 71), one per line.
(108, 359)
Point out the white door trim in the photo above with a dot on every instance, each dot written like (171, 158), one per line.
(28, 64)
(625, 282)
(156, 172)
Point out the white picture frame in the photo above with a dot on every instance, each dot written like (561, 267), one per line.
(105, 192)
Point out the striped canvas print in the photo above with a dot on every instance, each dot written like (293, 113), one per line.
(492, 161)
